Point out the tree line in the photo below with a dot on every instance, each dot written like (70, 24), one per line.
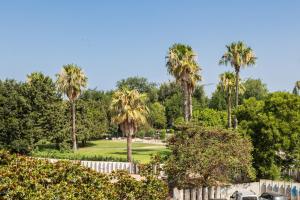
(62, 112)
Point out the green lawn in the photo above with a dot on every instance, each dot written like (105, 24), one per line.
(107, 148)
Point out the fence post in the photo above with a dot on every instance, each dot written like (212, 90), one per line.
(204, 193)
(211, 192)
(217, 192)
(199, 193)
(187, 194)
(193, 194)
(177, 194)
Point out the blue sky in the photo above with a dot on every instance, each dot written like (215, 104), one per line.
(112, 39)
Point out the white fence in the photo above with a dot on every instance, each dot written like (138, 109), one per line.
(290, 189)
(106, 167)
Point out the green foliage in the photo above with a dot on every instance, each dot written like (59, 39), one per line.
(163, 134)
(200, 100)
(274, 127)
(157, 116)
(173, 106)
(29, 111)
(150, 133)
(218, 100)
(32, 179)
(206, 157)
(71, 156)
(92, 121)
(167, 90)
(210, 117)
(254, 88)
(140, 134)
(140, 84)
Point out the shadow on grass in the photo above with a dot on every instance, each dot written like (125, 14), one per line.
(88, 144)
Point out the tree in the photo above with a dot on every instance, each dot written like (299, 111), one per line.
(141, 84)
(274, 127)
(296, 88)
(167, 90)
(16, 128)
(182, 64)
(200, 100)
(173, 107)
(40, 92)
(207, 157)
(157, 115)
(30, 112)
(217, 100)
(254, 88)
(129, 111)
(227, 83)
(210, 118)
(71, 81)
(239, 56)
(92, 121)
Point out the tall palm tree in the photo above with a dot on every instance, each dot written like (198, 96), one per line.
(182, 64)
(71, 81)
(129, 111)
(296, 88)
(227, 84)
(238, 55)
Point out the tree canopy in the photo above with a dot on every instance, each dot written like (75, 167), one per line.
(274, 127)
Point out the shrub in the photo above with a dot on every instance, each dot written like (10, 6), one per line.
(208, 157)
(163, 133)
(150, 133)
(140, 134)
(28, 178)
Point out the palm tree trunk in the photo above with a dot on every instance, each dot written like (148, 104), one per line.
(73, 126)
(185, 102)
(236, 96)
(190, 105)
(129, 150)
(229, 108)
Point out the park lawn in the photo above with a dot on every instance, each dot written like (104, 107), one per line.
(109, 148)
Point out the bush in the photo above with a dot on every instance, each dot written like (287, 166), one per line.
(150, 133)
(140, 134)
(71, 156)
(163, 133)
(207, 157)
(28, 178)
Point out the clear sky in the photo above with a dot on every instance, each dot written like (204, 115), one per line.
(114, 39)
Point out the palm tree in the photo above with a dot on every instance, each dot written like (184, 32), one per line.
(129, 111)
(182, 64)
(238, 55)
(227, 84)
(296, 88)
(71, 81)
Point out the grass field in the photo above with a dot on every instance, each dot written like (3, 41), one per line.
(107, 148)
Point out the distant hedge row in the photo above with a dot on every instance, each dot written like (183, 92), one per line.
(26, 178)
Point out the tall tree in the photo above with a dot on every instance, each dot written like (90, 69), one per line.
(182, 64)
(129, 111)
(296, 88)
(254, 88)
(227, 83)
(238, 55)
(274, 127)
(207, 157)
(142, 85)
(71, 81)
